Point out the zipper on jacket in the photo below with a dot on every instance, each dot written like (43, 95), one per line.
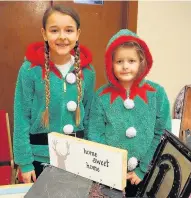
(64, 85)
(128, 93)
(64, 79)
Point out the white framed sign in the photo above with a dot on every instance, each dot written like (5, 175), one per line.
(100, 163)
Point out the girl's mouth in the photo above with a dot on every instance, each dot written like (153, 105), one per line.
(62, 45)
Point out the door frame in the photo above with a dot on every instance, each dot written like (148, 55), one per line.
(129, 14)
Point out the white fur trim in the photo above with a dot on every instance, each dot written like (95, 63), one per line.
(71, 78)
(132, 163)
(68, 129)
(131, 132)
(129, 104)
(71, 106)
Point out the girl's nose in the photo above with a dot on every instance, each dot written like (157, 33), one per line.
(125, 65)
(62, 35)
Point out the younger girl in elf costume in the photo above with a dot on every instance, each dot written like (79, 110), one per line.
(130, 112)
(54, 90)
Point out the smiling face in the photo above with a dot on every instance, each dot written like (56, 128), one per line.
(126, 64)
(61, 33)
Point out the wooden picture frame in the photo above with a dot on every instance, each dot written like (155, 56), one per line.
(185, 124)
(169, 173)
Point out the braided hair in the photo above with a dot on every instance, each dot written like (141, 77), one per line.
(78, 77)
(45, 116)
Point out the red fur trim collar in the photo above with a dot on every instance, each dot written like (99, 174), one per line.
(35, 54)
(136, 91)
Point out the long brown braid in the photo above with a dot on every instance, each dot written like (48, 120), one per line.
(79, 83)
(45, 115)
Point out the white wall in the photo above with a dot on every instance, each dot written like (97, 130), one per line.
(166, 27)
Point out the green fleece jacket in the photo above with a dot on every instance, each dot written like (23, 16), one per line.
(139, 129)
(30, 103)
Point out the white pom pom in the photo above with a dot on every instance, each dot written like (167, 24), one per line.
(68, 129)
(129, 104)
(131, 132)
(132, 163)
(71, 106)
(71, 78)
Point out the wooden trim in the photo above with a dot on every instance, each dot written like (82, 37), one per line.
(132, 13)
(10, 149)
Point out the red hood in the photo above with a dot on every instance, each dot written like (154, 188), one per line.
(117, 89)
(35, 54)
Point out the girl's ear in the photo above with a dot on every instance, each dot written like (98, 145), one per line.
(44, 34)
(78, 33)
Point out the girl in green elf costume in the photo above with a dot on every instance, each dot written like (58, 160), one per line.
(130, 112)
(54, 90)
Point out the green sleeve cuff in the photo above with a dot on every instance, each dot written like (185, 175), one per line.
(139, 173)
(26, 168)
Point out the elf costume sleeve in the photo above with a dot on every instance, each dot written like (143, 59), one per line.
(96, 130)
(22, 113)
(163, 121)
(89, 79)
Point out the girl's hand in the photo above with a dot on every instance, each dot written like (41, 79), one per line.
(28, 175)
(134, 179)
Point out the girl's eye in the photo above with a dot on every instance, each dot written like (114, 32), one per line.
(54, 31)
(69, 30)
(119, 61)
(131, 61)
